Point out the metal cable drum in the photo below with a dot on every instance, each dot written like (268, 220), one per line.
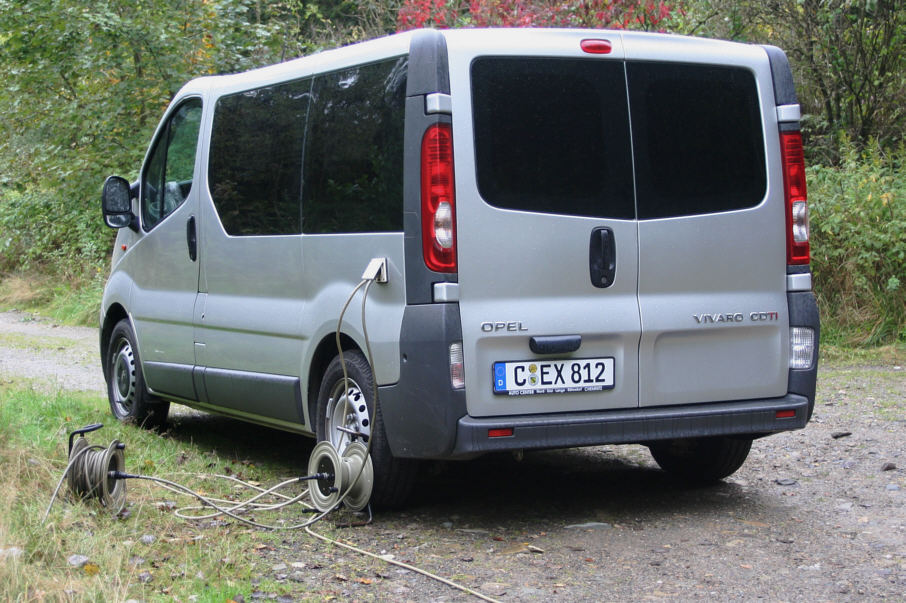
(90, 473)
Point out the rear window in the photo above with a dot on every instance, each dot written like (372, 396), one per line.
(697, 137)
(255, 168)
(354, 153)
(552, 136)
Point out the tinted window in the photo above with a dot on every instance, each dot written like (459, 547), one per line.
(255, 169)
(698, 139)
(552, 135)
(354, 152)
(168, 174)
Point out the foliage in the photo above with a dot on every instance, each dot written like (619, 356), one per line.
(614, 14)
(858, 217)
(851, 59)
(39, 227)
(86, 83)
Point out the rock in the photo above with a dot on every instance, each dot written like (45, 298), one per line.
(494, 589)
(892, 488)
(888, 467)
(447, 524)
(145, 577)
(280, 567)
(297, 576)
(77, 560)
(589, 525)
(785, 481)
(147, 539)
(845, 507)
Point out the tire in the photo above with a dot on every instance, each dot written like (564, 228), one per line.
(130, 401)
(393, 478)
(701, 460)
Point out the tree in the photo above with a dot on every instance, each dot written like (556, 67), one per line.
(851, 55)
(615, 14)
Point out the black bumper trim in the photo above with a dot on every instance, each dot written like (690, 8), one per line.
(631, 425)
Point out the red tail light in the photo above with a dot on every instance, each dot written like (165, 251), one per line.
(438, 199)
(797, 235)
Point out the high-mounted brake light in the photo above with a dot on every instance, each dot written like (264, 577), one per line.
(438, 199)
(797, 235)
(592, 46)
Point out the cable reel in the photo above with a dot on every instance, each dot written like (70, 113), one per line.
(92, 470)
(349, 477)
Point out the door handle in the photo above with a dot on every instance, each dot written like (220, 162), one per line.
(602, 257)
(192, 239)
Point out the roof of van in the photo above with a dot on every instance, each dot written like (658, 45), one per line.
(537, 41)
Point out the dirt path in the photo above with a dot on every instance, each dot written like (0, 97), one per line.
(52, 356)
(818, 514)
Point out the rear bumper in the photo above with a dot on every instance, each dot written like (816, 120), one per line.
(632, 425)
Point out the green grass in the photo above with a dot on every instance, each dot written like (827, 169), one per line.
(843, 355)
(68, 301)
(210, 561)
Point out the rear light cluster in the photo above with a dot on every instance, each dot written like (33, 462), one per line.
(457, 370)
(802, 347)
(797, 249)
(438, 199)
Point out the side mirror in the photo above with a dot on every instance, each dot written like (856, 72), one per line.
(116, 203)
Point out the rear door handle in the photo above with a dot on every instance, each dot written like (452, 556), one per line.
(192, 239)
(602, 257)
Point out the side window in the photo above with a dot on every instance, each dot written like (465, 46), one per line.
(353, 172)
(698, 141)
(255, 166)
(168, 174)
(552, 136)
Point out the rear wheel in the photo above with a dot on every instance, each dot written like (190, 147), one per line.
(129, 399)
(346, 413)
(701, 460)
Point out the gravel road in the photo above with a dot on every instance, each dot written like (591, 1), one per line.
(816, 515)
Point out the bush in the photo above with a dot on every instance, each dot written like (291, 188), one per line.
(46, 233)
(858, 217)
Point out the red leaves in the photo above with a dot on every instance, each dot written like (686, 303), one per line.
(612, 14)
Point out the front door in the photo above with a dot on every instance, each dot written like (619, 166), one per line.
(166, 275)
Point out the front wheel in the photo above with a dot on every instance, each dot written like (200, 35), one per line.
(346, 413)
(701, 460)
(130, 400)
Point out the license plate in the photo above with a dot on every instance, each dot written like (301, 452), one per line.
(553, 376)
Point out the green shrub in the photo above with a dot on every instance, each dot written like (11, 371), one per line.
(42, 231)
(858, 238)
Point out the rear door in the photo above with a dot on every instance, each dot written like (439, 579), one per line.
(712, 265)
(546, 238)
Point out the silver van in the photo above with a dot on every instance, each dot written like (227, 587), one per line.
(576, 238)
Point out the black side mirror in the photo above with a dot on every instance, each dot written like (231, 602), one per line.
(116, 203)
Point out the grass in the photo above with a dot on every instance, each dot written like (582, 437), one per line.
(68, 301)
(842, 355)
(211, 561)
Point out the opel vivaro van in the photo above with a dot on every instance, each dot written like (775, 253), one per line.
(580, 238)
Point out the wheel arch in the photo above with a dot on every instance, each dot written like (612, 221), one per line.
(325, 351)
(115, 313)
